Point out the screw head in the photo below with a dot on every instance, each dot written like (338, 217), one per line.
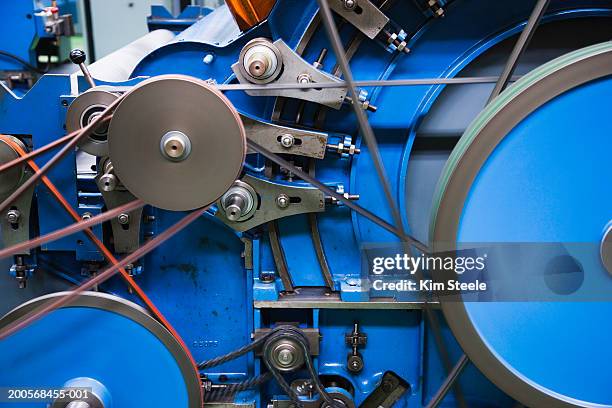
(350, 4)
(287, 141)
(13, 216)
(123, 219)
(86, 216)
(282, 201)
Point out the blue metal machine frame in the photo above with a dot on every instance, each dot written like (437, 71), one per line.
(199, 279)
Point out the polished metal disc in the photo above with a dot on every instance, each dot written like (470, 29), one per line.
(83, 110)
(10, 179)
(177, 143)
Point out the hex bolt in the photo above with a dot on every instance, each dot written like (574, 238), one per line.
(123, 219)
(287, 141)
(282, 201)
(304, 79)
(13, 216)
(350, 4)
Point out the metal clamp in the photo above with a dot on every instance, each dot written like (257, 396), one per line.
(372, 22)
(364, 15)
(125, 227)
(294, 70)
(276, 201)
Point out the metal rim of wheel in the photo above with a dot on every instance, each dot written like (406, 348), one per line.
(128, 310)
(479, 141)
(82, 111)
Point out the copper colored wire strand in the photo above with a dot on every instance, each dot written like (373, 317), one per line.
(71, 229)
(106, 252)
(101, 277)
(86, 131)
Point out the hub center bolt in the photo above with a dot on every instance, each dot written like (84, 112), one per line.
(238, 202)
(286, 355)
(260, 61)
(175, 146)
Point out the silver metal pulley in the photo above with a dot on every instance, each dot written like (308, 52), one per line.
(177, 143)
(86, 108)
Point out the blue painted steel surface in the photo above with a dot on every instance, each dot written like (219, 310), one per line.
(198, 279)
(69, 338)
(547, 195)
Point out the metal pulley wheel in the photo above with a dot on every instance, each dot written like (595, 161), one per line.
(177, 143)
(534, 168)
(11, 178)
(84, 110)
(102, 343)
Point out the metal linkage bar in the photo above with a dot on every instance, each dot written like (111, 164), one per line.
(368, 83)
(102, 277)
(86, 131)
(449, 382)
(519, 48)
(331, 192)
(71, 229)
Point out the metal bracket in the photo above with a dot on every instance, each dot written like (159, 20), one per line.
(126, 227)
(364, 15)
(297, 70)
(277, 201)
(282, 139)
(14, 233)
(15, 220)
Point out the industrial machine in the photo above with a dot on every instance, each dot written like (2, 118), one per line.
(200, 218)
(30, 33)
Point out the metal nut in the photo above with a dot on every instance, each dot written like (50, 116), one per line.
(13, 216)
(123, 219)
(304, 79)
(287, 141)
(350, 4)
(282, 201)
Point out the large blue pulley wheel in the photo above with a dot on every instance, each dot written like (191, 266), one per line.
(536, 167)
(99, 342)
